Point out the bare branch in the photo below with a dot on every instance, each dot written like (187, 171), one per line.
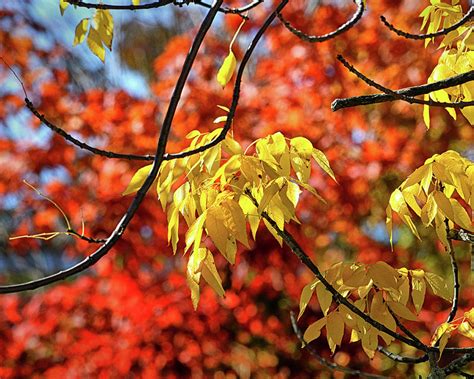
(397, 95)
(324, 37)
(454, 265)
(400, 358)
(441, 32)
(456, 365)
(409, 91)
(330, 365)
(160, 150)
(131, 7)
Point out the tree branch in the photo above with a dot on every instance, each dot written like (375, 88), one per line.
(400, 358)
(441, 32)
(409, 91)
(338, 298)
(343, 28)
(454, 265)
(456, 365)
(330, 365)
(398, 96)
(160, 150)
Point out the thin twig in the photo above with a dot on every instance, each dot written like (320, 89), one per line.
(131, 7)
(323, 361)
(454, 265)
(441, 32)
(140, 195)
(409, 91)
(324, 37)
(400, 358)
(399, 96)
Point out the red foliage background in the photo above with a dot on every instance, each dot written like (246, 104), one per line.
(131, 315)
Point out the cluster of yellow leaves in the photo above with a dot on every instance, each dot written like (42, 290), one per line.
(379, 290)
(436, 192)
(463, 325)
(99, 33)
(220, 190)
(457, 58)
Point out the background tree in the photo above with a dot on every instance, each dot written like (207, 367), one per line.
(136, 294)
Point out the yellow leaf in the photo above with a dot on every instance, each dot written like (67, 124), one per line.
(444, 204)
(356, 278)
(220, 119)
(460, 216)
(440, 286)
(418, 288)
(231, 250)
(81, 30)
(95, 44)
(466, 330)
(251, 212)
(105, 26)
(370, 342)
(193, 273)
(401, 310)
(234, 220)
(383, 275)
(429, 210)
(63, 4)
(211, 276)
(194, 233)
(306, 295)
(416, 176)
(324, 298)
(302, 146)
(426, 112)
(334, 329)
(469, 315)
(227, 69)
(173, 226)
(137, 180)
(136, 2)
(314, 330)
(442, 333)
(270, 191)
(323, 162)
(216, 229)
(440, 228)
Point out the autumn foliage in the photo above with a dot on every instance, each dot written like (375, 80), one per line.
(203, 281)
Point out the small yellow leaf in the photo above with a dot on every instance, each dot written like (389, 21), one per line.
(81, 30)
(211, 276)
(63, 4)
(383, 275)
(137, 180)
(466, 330)
(194, 233)
(429, 210)
(136, 2)
(441, 287)
(401, 310)
(442, 333)
(314, 330)
(95, 44)
(306, 295)
(105, 26)
(323, 162)
(324, 298)
(335, 330)
(418, 288)
(227, 69)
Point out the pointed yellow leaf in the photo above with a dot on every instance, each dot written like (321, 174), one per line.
(137, 180)
(444, 204)
(234, 221)
(370, 342)
(105, 26)
(334, 329)
(401, 310)
(324, 298)
(211, 276)
(216, 229)
(194, 233)
(302, 146)
(429, 210)
(418, 288)
(81, 30)
(306, 295)
(323, 162)
(95, 44)
(314, 330)
(227, 69)
(442, 334)
(136, 2)
(440, 286)
(63, 4)
(426, 112)
(383, 275)
(460, 216)
(173, 226)
(466, 330)
(193, 273)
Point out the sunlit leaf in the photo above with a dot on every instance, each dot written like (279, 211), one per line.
(227, 69)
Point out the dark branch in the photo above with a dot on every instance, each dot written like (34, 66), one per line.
(324, 37)
(400, 358)
(160, 150)
(85, 238)
(454, 265)
(338, 298)
(79, 143)
(130, 7)
(456, 365)
(330, 365)
(441, 32)
(397, 95)
(409, 91)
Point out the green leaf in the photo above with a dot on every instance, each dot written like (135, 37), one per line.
(227, 69)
